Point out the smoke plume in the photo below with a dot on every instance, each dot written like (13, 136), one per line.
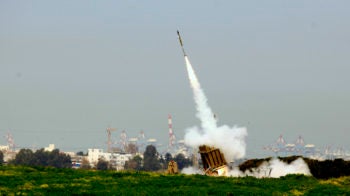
(230, 140)
(191, 170)
(274, 169)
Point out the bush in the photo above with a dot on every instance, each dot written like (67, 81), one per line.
(102, 165)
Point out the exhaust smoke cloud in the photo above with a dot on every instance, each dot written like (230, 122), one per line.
(230, 140)
(274, 169)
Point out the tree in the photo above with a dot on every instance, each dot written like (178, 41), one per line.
(59, 160)
(42, 158)
(168, 157)
(1, 157)
(102, 165)
(134, 163)
(85, 164)
(182, 161)
(162, 162)
(138, 161)
(80, 153)
(150, 159)
(24, 157)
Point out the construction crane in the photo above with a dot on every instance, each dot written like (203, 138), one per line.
(109, 135)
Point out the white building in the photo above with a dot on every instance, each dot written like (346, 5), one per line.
(8, 154)
(50, 148)
(5, 148)
(116, 160)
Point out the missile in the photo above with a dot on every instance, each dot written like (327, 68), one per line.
(178, 34)
(180, 40)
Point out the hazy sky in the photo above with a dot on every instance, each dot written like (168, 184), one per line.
(69, 69)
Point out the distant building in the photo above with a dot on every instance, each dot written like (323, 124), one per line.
(116, 160)
(8, 154)
(50, 148)
(71, 154)
(4, 148)
(300, 148)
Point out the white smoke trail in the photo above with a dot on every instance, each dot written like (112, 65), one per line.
(230, 140)
(204, 111)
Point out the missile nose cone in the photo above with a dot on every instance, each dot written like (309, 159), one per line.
(181, 44)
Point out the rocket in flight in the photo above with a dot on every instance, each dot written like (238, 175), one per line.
(180, 40)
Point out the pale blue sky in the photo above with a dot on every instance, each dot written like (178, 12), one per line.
(71, 68)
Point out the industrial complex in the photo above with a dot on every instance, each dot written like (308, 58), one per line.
(209, 158)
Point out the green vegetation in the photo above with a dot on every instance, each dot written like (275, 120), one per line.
(1, 157)
(60, 181)
(42, 158)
